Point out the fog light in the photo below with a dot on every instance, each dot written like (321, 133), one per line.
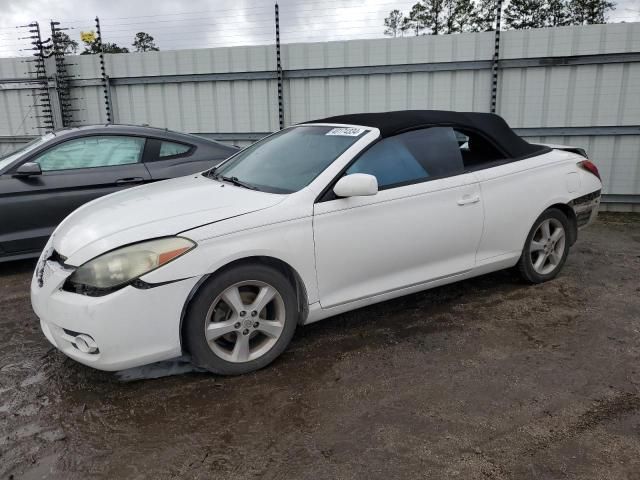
(85, 343)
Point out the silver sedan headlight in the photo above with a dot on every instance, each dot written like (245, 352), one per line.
(124, 264)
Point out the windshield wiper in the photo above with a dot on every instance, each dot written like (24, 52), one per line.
(234, 180)
(238, 182)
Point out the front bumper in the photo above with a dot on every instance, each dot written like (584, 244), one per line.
(130, 327)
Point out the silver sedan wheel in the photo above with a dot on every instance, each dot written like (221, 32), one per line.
(245, 321)
(547, 246)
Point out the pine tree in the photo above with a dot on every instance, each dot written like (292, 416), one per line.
(416, 19)
(485, 16)
(434, 16)
(587, 12)
(460, 15)
(406, 26)
(521, 14)
(394, 23)
(450, 15)
(556, 13)
(143, 42)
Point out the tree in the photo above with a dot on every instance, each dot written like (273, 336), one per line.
(92, 47)
(108, 47)
(450, 7)
(459, 15)
(416, 18)
(556, 13)
(434, 15)
(143, 42)
(65, 44)
(521, 14)
(485, 16)
(394, 23)
(452, 16)
(406, 25)
(587, 12)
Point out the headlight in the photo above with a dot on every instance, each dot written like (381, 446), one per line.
(128, 263)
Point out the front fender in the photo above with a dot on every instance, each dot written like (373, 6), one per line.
(290, 242)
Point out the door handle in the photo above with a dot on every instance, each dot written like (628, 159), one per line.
(122, 181)
(467, 199)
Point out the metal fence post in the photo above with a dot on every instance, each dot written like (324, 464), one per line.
(496, 58)
(103, 73)
(62, 76)
(279, 71)
(42, 99)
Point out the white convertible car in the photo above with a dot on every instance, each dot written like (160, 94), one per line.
(312, 221)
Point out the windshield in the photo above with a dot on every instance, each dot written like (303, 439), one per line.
(9, 157)
(290, 159)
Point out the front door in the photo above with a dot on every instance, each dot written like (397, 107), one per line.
(73, 173)
(424, 224)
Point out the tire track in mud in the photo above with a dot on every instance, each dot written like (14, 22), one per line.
(603, 411)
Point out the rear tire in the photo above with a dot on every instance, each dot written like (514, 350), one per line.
(546, 248)
(241, 320)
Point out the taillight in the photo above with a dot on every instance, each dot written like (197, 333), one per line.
(590, 167)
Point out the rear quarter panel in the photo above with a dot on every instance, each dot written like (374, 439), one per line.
(515, 194)
(179, 167)
(204, 156)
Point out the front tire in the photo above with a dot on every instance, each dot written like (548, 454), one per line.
(241, 320)
(546, 248)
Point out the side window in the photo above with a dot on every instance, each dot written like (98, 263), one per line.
(91, 152)
(171, 149)
(412, 157)
(477, 152)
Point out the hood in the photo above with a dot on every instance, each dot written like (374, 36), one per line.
(151, 211)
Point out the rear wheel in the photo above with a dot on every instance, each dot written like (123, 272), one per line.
(546, 247)
(241, 320)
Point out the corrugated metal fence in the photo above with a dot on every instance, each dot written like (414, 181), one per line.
(570, 85)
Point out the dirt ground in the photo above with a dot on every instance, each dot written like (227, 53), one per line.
(488, 378)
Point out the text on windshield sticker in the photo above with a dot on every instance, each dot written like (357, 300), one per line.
(346, 131)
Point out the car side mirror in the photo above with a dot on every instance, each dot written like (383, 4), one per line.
(356, 185)
(28, 169)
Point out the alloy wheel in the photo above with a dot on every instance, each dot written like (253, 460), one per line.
(547, 246)
(245, 321)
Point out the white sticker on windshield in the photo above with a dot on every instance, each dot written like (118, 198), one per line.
(346, 131)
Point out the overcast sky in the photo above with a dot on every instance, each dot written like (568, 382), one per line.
(209, 23)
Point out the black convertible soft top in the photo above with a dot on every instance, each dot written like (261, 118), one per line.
(490, 125)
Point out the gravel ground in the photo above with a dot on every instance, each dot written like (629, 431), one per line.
(487, 378)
